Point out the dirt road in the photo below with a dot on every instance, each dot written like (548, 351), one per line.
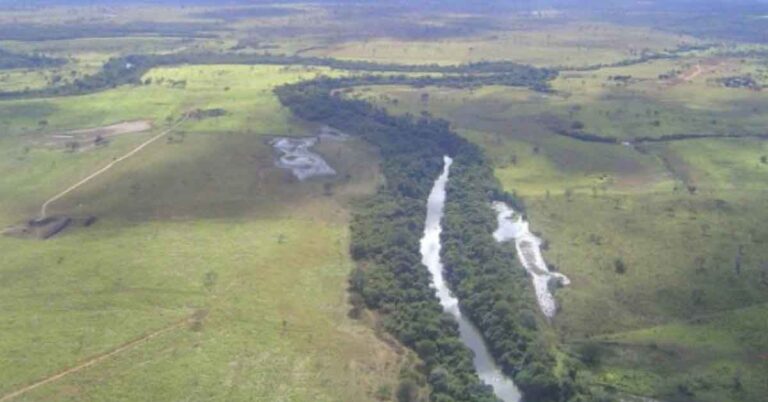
(44, 208)
(91, 361)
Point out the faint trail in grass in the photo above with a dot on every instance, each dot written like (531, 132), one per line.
(92, 361)
(691, 75)
(44, 208)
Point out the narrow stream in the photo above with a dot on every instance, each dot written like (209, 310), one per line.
(486, 368)
(512, 226)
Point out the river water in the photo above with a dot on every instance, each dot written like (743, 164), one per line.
(512, 226)
(486, 368)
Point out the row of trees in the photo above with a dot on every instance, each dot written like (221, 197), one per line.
(390, 276)
(131, 69)
(9, 60)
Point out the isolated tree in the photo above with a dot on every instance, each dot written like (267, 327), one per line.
(328, 189)
(407, 391)
(209, 280)
(568, 194)
(384, 392)
(619, 266)
(72, 146)
(590, 354)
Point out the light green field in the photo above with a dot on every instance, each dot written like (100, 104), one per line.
(722, 355)
(41, 172)
(564, 44)
(243, 265)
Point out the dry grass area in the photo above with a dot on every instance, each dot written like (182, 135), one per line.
(556, 44)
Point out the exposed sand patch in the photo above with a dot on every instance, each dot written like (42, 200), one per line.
(512, 226)
(44, 208)
(89, 138)
(297, 156)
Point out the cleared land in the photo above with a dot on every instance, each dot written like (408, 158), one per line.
(202, 225)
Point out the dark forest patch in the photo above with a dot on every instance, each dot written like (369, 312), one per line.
(239, 14)
(10, 60)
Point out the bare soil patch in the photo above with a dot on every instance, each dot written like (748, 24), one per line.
(89, 138)
(46, 228)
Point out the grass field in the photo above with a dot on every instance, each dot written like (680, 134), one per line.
(553, 44)
(201, 228)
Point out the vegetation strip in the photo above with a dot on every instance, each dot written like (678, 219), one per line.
(588, 137)
(9, 60)
(131, 69)
(390, 277)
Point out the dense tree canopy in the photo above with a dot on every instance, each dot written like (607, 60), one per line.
(9, 60)
(391, 279)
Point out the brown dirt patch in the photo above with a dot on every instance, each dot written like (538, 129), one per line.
(89, 138)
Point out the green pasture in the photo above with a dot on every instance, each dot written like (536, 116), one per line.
(199, 226)
(554, 44)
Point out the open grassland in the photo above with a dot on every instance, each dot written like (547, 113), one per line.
(722, 357)
(519, 135)
(267, 295)
(239, 269)
(243, 92)
(548, 44)
(664, 242)
(647, 100)
(665, 97)
(86, 56)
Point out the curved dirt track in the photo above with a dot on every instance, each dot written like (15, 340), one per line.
(91, 361)
(44, 208)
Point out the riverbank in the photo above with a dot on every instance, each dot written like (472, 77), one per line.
(390, 277)
(486, 367)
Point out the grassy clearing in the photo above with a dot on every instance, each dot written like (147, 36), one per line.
(275, 329)
(202, 225)
(252, 112)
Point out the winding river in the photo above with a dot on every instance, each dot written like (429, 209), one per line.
(512, 226)
(486, 368)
